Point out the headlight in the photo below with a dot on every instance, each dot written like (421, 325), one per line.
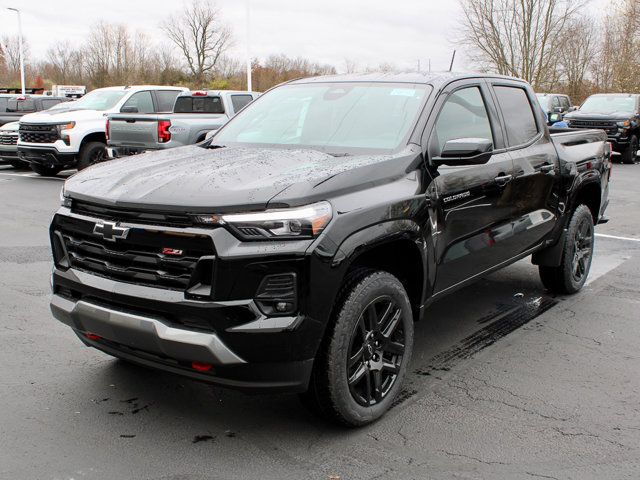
(291, 223)
(65, 201)
(625, 124)
(65, 126)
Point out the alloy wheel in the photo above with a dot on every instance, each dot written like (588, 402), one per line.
(376, 351)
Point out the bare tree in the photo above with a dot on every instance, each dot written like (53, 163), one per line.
(200, 36)
(518, 37)
(10, 50)
(577, 55)
(618, 61)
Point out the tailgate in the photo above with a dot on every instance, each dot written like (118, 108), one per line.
(133, 130)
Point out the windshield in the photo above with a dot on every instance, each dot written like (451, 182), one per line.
(543, 101)
(609, 104)
(332, 117)
(98, 100)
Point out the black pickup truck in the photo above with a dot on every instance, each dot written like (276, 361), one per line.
(295, 249)
(13, 107)
(618, 114)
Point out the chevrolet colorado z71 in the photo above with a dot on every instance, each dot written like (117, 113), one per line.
(295, 249)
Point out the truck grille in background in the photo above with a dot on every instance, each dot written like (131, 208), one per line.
(139, 258)
(8, 139)
(609, 127)
(35, 133)
(166, 219)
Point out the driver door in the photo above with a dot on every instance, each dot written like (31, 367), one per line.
(474, 219)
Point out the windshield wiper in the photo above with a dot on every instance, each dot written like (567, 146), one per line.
(339, 154)
(212, 146)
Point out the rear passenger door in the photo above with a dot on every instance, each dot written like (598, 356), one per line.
(472, 218)
(535, 187)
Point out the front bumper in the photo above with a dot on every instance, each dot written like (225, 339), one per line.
(45, 156)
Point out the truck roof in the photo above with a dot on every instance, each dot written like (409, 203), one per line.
(143, 87)
(217, 92)
(430, 78)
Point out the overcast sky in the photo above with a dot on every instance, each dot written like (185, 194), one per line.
(370, 32)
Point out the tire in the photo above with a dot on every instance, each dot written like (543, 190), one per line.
(577, 253)
(629, 155)
(45, 171)
(19, 165)
(363, 359)
(91, 153)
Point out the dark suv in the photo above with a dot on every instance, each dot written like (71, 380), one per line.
(617, 114)
(294, 250)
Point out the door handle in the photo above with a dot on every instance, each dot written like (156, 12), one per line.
(503, 179)
(547, 169)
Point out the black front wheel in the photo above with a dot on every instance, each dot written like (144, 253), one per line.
(571, 274)
(359, 372)
(631, 152)
(91, 153)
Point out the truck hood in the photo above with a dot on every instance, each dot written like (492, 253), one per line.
(197, 179)
(608, 117)
(10, 127)
(62, 115)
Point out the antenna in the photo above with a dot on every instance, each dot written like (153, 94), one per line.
(453, 57)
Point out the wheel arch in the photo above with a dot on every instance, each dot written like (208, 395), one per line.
(93, 137)
(395, 247)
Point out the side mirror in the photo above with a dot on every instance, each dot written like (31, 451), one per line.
(557, 110)
(465, 151)
(129, 110)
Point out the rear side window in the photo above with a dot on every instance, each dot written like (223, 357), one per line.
(142, 101)
(463, 115)
(26, 105)
(166, 99)
(556, 102)
(240, 101)
(199, 105)
(519, 119)
(564, 102)
(48, 103)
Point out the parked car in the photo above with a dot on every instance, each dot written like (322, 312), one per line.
(618, 114)
(14, 107)
(295, 249)
(194, 115)
(555, 106)
(9, 145)
(74, 136)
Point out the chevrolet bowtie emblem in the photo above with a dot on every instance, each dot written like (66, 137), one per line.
(110, 231)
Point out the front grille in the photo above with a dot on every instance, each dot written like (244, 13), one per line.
(8, 139)
(138, 258)
(165, 219)
(609, 127)
(38, 133)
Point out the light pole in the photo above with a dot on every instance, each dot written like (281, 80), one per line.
(248, 8)
(20, 46)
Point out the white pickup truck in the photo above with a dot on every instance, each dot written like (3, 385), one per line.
(194, 115)
(73, 134)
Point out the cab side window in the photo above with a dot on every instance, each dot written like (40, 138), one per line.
(142, 101)
(517, 111)
(564, 103)
(463, 115)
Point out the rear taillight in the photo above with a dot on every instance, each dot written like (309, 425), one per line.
(164, 135)
(106, 129)
(200, 93)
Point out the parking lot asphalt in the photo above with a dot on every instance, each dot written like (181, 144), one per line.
(507, 382)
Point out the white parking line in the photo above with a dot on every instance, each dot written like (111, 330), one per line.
(626, 239)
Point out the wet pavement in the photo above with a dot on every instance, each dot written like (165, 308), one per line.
(507, 382)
